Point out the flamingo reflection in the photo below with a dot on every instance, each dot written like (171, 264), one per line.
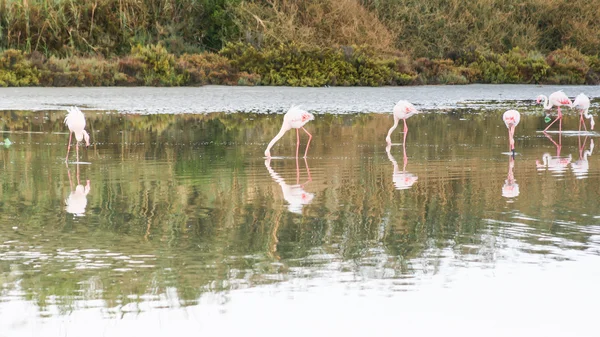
(510, 188)
(77, 201)
(295, 195)
(554, 163)
(402, 179)
(580, 167)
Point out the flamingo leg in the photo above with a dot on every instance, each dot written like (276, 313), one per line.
(557, 118)
(405, 158)
(69, 146)
(77, 150)
(297, 142)
(405, 127)
(307, 144)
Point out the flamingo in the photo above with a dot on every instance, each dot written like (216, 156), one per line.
(510, 188)
(511, 118)
(75, 120)
(582, 102)
(295, 195)
(295, 118)
(558, 99)
(402, 179)
(402, 110)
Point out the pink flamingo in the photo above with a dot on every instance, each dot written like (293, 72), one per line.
(558, 99)
(582, 103)
(75, 120)
(295, 118)
(511, 118)
(402, 110)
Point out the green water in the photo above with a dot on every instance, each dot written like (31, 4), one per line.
(165, 210)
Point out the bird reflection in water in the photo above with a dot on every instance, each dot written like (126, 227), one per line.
(510, 188)
(554, 163)
(580, 167)
(77, 201)
(295, 195)
(402, 179)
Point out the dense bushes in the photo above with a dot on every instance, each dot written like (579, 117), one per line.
(292, 65)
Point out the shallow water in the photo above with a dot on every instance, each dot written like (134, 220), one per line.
(175, 223)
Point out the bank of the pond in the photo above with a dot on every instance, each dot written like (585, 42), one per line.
(292, 65)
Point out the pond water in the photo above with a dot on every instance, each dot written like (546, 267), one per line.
(173, 223)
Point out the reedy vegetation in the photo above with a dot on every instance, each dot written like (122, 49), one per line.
(299, 43)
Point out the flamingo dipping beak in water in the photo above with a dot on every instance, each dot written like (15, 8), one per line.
(402, 110)
(295, 118)
(511, 118)
(75, 120)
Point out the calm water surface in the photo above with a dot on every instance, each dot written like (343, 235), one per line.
(173, 223)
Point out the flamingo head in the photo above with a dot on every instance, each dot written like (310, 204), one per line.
(307, 116)
(86, 137)
(538, 99)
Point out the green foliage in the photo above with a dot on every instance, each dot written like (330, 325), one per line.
(16, 70)
(289, 64)
(516, 66)
(157, 66)
(110, 27)
(567, 66)
(207, 68)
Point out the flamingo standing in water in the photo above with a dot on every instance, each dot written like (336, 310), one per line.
(295, 118)
(582, 103)
(402, 110)
(511, 118)
(558, 99)
(75, 120)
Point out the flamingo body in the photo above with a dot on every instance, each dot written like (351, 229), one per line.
(402, 110)
(558, 99)
(75, 121)
(511, 118)
(582, 103)
(295, 118)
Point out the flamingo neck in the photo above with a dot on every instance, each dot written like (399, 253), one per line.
(547, 104)
(389, 135)
(283, 130)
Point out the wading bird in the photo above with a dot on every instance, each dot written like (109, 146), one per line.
(402, 110)
(511, 118)
(582, 103)
(295, 118)
(558, 99)
(75, 120)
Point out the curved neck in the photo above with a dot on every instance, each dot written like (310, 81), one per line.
(547, 104)
(389, 135)
(276, 138)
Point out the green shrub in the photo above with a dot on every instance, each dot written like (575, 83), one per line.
(16, 70)
(567, 66)
(158, 66)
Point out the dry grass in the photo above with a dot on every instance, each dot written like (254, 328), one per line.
(322, 23)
